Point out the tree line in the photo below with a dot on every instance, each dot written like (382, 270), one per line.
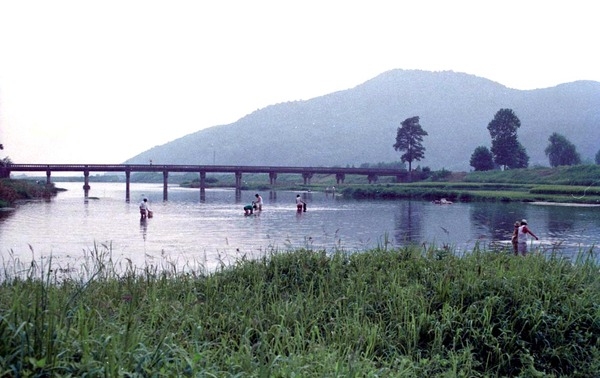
(506, 150)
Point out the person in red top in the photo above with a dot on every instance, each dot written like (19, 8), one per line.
(522, 237)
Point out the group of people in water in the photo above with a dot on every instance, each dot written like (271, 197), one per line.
(257, 205)
(518, 239)
(249, 209)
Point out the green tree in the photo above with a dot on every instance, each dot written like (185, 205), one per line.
(561, 151)
(521, 158)
(482, 159)
(409, 139)
(505, 145)
(598, 157)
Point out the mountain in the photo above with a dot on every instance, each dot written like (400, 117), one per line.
(358, 125)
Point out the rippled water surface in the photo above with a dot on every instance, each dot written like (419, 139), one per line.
(188, 232)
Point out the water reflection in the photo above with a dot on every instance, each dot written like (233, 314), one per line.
(144, 227)
(495, 220)
(407, 219)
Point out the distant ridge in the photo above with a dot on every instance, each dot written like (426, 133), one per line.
(358, 125)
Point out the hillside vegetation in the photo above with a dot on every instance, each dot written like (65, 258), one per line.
(357, 125)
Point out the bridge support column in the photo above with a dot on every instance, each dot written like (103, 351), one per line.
(48, 173)
(127, 184)
(165, 185)
(86, 180)
(401, 178)
(86, 184)
(272, 178)
(202, 186)
(307, 176)
(339, 178)
(238, 180)
(372, 178)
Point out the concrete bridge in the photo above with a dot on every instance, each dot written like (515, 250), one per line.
(307, 172)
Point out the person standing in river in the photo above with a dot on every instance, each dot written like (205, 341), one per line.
(522, 237)
(299, 203)
(144, 209)
(258, 202)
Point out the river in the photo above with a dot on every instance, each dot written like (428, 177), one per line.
(187, 233)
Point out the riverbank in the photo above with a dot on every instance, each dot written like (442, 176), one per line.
(574, 185)
(477, 192)
(12, 191)
(405, 312)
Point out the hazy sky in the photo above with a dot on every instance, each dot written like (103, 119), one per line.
(101, 81)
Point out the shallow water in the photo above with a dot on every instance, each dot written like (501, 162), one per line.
(187, 233)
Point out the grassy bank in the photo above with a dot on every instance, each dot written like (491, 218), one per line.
(471, 192)
(578, 175)
(578, 184)
(12, 191)
(405, 313)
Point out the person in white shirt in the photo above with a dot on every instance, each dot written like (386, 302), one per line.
(300, 204)
(144, 208)
(258, 202)
(522, 237)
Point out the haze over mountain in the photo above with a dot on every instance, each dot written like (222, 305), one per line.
(358, 125)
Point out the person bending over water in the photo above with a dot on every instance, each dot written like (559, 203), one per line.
(249, 209)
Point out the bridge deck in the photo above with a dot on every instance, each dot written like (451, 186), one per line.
(306, 172)
(201, 168)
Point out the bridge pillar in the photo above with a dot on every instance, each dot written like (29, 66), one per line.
(127, 183)
(340, 177)
(238, 180)
(86, 185)
(86, 180)
(272, 178)
(202, 186)
(372, 178)
(165, 185)
(202, 180)
(401, 178)
(48, 173)
(307, 176)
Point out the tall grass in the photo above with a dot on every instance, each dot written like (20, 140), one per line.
(384, 312)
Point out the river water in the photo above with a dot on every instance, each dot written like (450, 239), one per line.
(188, 233)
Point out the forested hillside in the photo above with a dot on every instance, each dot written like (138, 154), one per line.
(358, 125)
